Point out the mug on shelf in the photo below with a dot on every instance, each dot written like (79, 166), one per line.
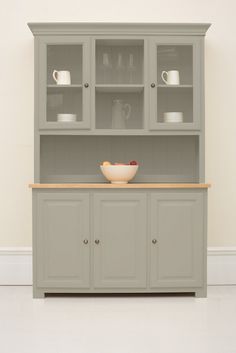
(62, 77)
(172, 77)
(173, 117)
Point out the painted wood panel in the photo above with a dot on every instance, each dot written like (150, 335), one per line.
(63, 241)
(120, 240)
(176, 240)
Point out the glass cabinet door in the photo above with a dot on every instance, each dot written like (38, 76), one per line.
(64, 87)
(175, 77)
(119, 84)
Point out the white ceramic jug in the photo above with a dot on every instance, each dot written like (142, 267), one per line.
(120, 113)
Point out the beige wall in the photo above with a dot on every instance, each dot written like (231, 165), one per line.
(16, 97)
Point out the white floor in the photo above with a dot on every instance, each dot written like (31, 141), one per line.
(162, 324)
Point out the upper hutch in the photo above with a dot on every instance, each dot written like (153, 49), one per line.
(120, 62)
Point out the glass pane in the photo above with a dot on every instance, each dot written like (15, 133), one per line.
(175, 58)
(175, 84)
(64, 104)
(64, 58)
(64, 83)
(175, 104)
(117, 110)
(119, 61)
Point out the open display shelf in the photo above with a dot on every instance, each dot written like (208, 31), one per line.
(161, 159)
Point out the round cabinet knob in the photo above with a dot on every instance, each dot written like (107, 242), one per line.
(97, 241)
(86, 85)
(154, 241)
(153, 85)
(85, 241)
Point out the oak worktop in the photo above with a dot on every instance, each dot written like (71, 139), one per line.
(120, 186)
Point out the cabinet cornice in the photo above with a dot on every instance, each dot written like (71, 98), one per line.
(106, 28)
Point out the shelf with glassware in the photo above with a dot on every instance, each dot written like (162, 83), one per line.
(119, 78)
(119, 84)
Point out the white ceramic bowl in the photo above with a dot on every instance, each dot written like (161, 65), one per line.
(119, 174)
(66, 118)
(173, 117)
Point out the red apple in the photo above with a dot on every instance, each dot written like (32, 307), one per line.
(133, 163)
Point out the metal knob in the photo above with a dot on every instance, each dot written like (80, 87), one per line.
(153, 85)
(85, 241)
(86, 85)
(154, 241)
(97, 241)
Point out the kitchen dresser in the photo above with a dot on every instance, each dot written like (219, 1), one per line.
(147, 236)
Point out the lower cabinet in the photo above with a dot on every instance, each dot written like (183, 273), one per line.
(125, 241)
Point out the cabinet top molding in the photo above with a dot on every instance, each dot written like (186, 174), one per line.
(106, 28)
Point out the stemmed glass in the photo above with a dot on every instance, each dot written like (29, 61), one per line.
(120, 69)
(131, 68)
(106, 68)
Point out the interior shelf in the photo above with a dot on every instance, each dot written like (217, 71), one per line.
(176, 57)
(64, 100)
(105, 103)
(119, 88)
(64, 86)
(171, 99)
(174, 86)
(119, 61)
(68, 57)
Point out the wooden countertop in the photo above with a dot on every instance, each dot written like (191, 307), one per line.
(121, 186)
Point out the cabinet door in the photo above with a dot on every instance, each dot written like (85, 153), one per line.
(176, 242)
(62, 242)
(65, 103)
(120, 240)
(175, 104)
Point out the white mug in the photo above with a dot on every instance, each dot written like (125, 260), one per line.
(62, 77)
(173, 117)
(172, 77)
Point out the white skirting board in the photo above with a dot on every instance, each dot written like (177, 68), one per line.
(16, 266)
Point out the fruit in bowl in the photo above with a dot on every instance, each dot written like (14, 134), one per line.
(133, 163)
(119, 173)
(106, 163)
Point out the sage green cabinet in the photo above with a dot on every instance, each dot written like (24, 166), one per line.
(62, 244)
(114, 104)
(120, 240)
(177, 240)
